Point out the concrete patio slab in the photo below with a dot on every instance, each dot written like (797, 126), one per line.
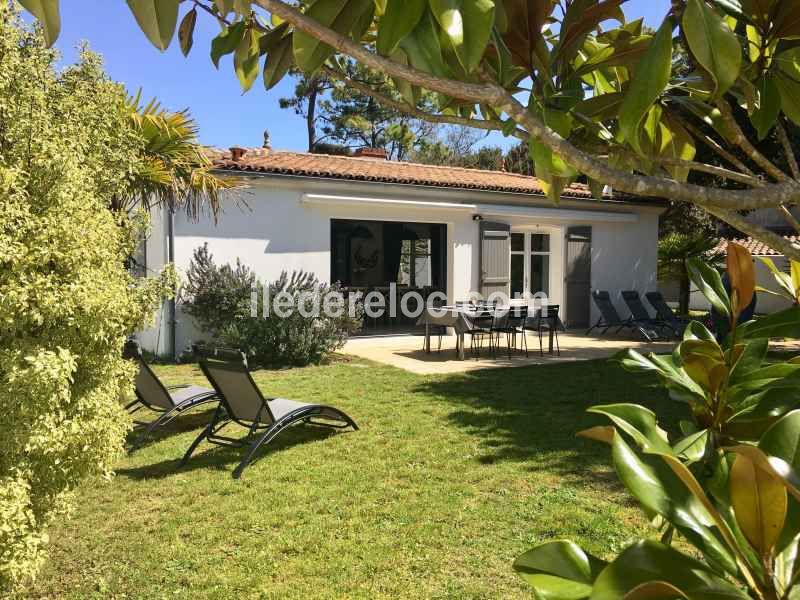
(405, 352)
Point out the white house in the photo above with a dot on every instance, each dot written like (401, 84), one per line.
(363, 221)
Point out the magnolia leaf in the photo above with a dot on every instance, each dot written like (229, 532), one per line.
(278, 62)
(695, 330)
(246, 59)
(653, 74)
(523, 35)
(559, 569)
(399, 19)
(693, 447)
(787, 20)
(227, 41)
(467, 24)
(655, 590)
(47, 13)
(157, 19)
(771, 464)
(712, 44)
(638, 422)
(704, 362)
(785, 323)
(742, 276)
(709, 282)
(784, 280)
(759, 502)
(601, 433)
(580, 19)
(769, 108)
(790, 96)
(186, 31)
(783, 439)
(423, 49)
(340, 15)
(664, 486)
(647, 561)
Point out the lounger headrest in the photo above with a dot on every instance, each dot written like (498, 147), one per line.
(221, 354)
(132, 350)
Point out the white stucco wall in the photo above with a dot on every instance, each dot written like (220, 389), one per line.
(276, 230)
(625, 257)
(156, 338)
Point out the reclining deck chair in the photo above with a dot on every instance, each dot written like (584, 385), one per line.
(666, 314)
(610, 318)
(170, 401)
(640, 316)
(241, 402)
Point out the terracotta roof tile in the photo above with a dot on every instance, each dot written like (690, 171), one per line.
(755, 247)
(385, 171)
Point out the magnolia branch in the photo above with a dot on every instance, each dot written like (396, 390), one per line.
(740, 139)
(787, 148)
(721, 152)
(494, 95)
(415, 112)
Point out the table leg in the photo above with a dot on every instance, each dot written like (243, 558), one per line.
(427, 338)
(461, 337)
(553, 325)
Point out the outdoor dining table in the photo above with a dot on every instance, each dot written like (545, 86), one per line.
(461, 319)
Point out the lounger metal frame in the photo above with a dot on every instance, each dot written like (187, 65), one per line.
(265, 427)
(665, 314)
(132, 351)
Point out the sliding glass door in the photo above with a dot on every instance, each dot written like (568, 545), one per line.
(530, 264)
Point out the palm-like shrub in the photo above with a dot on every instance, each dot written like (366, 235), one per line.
(674, 250)
(173, 170)
(729, 486)
(66, 300)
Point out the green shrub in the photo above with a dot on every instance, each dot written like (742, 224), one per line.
(219, 299)
(66, 301)
(216, 295)
(296, 339)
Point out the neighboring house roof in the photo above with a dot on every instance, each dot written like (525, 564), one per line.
(386, 171)
(755, 247)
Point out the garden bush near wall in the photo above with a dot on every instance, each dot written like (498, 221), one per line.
(219, 299)
(66, 301)
(727, 488)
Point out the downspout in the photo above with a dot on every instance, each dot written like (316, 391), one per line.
(171, 306)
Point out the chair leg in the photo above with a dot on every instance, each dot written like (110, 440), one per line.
(558, 346)
(203, 435)
(541, 349)
(525, 342)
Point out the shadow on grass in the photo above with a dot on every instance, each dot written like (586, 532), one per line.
(531, 414)
(188, 421)
(225, 458)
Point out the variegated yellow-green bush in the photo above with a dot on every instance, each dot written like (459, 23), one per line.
(66, 300)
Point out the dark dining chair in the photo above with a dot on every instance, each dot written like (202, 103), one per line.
(544, 320)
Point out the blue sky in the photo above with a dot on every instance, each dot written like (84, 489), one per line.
(226, 116)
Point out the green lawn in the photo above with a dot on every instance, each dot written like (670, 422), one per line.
(448, 480)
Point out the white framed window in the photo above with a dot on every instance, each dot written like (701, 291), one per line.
(530, 263)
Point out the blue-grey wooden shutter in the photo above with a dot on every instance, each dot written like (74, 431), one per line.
(495, 257)
(579, 276)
